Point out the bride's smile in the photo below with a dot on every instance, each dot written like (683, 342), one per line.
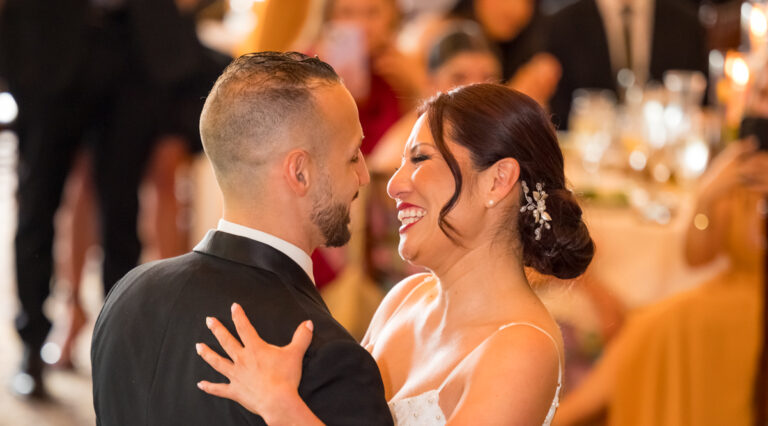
(408, 214)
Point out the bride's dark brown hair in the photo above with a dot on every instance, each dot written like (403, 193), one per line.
(495, 122)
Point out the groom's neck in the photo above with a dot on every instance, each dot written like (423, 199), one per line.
(281, 222)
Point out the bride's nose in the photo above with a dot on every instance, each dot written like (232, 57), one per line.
(399, 183)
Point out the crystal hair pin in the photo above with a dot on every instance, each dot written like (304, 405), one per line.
(536, 203)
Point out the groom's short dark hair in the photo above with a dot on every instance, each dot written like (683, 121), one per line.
(261, 99)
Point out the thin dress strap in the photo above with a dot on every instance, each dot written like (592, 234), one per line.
(554, 342)
(433, 396)
(556, 400)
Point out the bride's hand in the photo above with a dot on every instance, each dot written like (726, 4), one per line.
(263, 378)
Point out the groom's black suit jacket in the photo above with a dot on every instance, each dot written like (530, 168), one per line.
(145, 368)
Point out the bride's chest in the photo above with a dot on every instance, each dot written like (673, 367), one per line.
(415, 359)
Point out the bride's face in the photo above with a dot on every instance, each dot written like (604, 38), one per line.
(421, 187)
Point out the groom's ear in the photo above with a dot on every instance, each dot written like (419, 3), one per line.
(296, 171)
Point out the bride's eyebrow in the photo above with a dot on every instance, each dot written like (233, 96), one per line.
(416, 145)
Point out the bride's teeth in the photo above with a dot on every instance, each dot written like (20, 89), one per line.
(410, 215)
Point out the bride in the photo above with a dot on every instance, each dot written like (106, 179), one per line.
(481, 195)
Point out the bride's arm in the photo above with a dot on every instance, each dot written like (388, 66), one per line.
(512, 382)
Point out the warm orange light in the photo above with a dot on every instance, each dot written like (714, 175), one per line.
(740, 72)
(736, 68)
(241, 6)
(758, 23)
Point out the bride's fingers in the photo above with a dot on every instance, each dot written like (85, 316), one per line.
(302, 337)
(225, 338)
(248, 334)
(221, 390)
(219, 363)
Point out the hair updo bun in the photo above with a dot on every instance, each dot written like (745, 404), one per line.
(494, 122)
(566, 249)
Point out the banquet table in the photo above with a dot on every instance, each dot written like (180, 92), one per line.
(641, 261)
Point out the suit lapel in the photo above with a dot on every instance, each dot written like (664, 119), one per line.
(259, 255)
(599, 46)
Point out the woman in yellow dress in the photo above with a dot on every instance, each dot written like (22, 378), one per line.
(692, 359)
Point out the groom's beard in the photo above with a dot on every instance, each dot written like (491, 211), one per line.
(332, 219)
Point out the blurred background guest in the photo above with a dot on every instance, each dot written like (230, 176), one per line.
(513, 30)
(511, 25)
(459, 56)
(105, 72)
(594, 39)
(162, 223)
(358, 39)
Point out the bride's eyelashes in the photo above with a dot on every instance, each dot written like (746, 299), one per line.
(415, 159)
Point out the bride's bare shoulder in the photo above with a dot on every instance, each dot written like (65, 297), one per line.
(392, 301)
(408, 284)
(400, 292)
(517, 360)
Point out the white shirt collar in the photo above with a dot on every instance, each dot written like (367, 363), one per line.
(642, 34)
(296, 254)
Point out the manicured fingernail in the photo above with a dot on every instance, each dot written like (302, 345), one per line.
(310, 325)
(198, 348)
(209, 322)
(200, 385)
(234, 306)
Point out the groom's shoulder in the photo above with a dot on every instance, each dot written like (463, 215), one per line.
(191, 264)
(193, 270)
(192, 282)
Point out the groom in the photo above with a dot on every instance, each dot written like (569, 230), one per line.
(283, 136)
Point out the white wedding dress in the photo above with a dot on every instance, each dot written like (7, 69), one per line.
(424, 409)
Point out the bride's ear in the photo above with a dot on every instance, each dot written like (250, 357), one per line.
(502, 178)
